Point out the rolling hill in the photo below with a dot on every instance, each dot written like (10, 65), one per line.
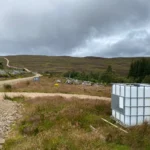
(66, 63)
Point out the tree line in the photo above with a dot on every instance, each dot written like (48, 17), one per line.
(139, 72)
(107, 76)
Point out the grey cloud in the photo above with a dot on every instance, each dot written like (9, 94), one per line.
(134, 44)
(56, 27)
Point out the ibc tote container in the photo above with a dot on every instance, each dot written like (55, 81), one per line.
(131, 103)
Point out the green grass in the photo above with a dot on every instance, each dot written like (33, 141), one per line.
(56, 123)
(62, 64)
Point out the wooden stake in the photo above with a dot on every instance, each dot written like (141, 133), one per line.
(114, 125)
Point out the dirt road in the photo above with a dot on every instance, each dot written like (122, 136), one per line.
(14, 81)
(33, 95)
(7, 64)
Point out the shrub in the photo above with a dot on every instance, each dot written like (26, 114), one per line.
(7, 87)
(1, 65)
(6, 97)
(16, 99)
(146, 79)
(28, 83)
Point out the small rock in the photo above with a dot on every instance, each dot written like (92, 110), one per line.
(2, 141)
(76, 82)
(11, 118)
(58, 81)
(87, 83)
(69, 82)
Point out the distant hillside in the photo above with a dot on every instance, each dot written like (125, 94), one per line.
(66, 63)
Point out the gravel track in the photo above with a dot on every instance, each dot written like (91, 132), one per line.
(69, 96)
(9, 113)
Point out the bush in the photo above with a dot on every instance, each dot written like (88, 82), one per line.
(108, 76)
(146, 79)
(7, 87)
(6, 97)
(28, 83)
(14, 99)
(1, 65)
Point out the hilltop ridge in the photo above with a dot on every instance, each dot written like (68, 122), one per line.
(41, 63)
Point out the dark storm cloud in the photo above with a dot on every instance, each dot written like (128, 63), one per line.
(133, 44)
(69, 27)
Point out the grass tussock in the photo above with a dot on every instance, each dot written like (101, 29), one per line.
(7, 87)
(14, 99)
(139, 137)
(56, 123)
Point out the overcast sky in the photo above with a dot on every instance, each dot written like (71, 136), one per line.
(104, 28)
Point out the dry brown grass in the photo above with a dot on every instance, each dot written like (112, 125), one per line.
(63, 64)
(46, 85)
(56, 123)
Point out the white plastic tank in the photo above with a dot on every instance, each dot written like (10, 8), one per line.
(131, 103)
